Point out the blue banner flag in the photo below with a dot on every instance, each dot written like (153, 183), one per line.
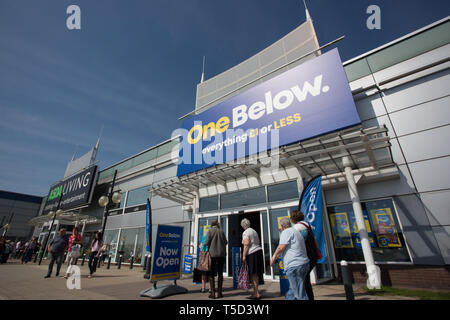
(311, 205)
(148, 226)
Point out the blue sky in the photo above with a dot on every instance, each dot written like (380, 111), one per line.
(134, 66)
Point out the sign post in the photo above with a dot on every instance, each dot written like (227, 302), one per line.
(166, 262)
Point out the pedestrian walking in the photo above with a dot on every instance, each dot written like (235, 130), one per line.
(253, 257)
(96, 247)
(295, 260)
(73, 250)
(104, 253)
(25, 248)
(297, 218)
(216, 242)
(204, 248)
(17, 249)
(28, 254)
(57, 247)
(5, 251)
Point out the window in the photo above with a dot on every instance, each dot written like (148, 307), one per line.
(110, 239)
(209, 204)
(243, 198)
(385, 235)
(204, 224)
(283, 191)
(131, 242)
(137, 196)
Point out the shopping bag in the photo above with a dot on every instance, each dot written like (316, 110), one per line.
(197, 278)
(243, 281)
(204, 261)
(76, 251)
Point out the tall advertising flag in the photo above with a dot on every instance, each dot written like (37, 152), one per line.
(311, 206)
(148, 226)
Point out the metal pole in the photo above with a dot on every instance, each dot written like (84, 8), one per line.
(44, 247)
(109, 262)
(131, 261)
(372, 271)
(8, 225)
(145, 262)
(106, 210)
(347, 280)
(120, 262)
(149, 265)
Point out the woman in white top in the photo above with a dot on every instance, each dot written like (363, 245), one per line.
(253, 256)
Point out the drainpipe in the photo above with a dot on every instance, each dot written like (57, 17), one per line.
(373, 271)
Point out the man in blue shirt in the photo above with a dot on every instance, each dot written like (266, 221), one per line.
(56, 248)
(295, 260)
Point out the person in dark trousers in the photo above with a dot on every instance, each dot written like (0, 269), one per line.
(297, 218)
(29, 251)
(252, 255)
(216, 242)
(96, 247)
(57, 247)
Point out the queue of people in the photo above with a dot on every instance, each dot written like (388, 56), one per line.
(60, 247)
(18, 250)
(291, 248)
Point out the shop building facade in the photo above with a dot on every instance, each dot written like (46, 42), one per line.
(16, 209)
(398, 157)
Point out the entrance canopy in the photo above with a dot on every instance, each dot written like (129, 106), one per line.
(368, 150)
(65, 218)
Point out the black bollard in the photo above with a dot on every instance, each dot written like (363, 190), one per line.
(346, 279)
(131, 262)
(145, 263)
(147, 270)
(99, 262)
(120, 262)
(109, 262)
(82, 260)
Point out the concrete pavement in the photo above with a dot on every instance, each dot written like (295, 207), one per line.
(26, 282)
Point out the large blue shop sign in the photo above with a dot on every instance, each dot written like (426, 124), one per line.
(309, 100)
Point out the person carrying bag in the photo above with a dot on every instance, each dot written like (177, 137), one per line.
(216, 242)
(243, 280)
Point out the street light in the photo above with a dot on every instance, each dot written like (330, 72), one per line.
(104, 201)
(50, 215)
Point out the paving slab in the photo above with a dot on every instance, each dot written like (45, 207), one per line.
(26, 282)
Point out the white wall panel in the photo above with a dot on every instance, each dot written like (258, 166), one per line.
(419, 91)
(437, 207)
(422, 117)
(426, 144)
(443, 239)
(432, 174)
(370, 107)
